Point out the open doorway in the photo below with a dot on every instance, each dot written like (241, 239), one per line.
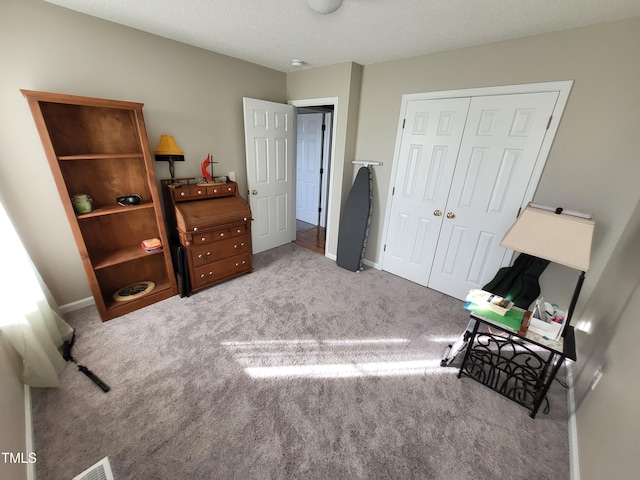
(313, 163)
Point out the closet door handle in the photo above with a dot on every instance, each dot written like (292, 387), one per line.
(437, 213)
(451, 215)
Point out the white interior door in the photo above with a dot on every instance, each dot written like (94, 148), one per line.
(270, 148)
(429, 148)
(308, 164)
(497, 156)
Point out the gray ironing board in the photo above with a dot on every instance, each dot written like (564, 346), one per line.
(355, 222)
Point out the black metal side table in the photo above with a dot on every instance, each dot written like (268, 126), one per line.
(519, 365)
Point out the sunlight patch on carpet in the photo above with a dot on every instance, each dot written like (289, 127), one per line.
(449, 339)
(378, 357)
(374, 369)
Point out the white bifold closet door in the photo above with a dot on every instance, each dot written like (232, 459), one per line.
(464, 165)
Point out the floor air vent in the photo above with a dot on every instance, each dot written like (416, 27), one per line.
(99, 471)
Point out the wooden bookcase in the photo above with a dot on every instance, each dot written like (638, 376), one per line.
(100, 148)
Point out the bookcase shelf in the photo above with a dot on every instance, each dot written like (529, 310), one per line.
(113, 210)
(122, 255)
(99, 156)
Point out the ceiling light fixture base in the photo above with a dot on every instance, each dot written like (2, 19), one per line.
(324, 6)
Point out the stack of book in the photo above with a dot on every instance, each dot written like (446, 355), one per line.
(151, 244)
(490, 301)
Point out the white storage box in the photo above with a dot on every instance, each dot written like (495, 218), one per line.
(546, 320)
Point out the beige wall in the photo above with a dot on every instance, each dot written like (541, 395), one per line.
(607, 307)
(607, 419)
(190, 93)
(12, 414)
(343, 82)
(596, 145)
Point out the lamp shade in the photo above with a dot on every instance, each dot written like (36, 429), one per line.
(168, 150)
(563, 238)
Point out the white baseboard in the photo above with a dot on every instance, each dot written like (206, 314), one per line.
(28, 421)
(77, 305)
(368, 263)
(574, 461)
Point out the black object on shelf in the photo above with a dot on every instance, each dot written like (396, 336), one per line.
(66, 354)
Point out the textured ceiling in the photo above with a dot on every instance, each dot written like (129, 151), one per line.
(273, 32)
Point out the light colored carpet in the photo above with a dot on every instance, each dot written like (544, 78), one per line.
(299, 370)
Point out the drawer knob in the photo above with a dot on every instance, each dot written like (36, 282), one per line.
(222, 234)
(195, 229)
(204, 239)
(182, 194)
(229, 189)
(199, 192)
(202, 276)
(215, 190)
(210, 273)
(242, 244)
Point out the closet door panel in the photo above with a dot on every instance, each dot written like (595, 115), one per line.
(497, 156)
(430, 142)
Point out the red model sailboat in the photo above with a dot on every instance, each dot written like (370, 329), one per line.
(205, 165)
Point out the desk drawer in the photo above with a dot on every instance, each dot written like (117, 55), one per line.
(222, 190)
(214, 251)
(189, 192)
(229, 232)
(220, 270)
(193, 192)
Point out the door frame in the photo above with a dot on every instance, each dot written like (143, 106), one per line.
(326, 165)
(319, 102)
(562, 87)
